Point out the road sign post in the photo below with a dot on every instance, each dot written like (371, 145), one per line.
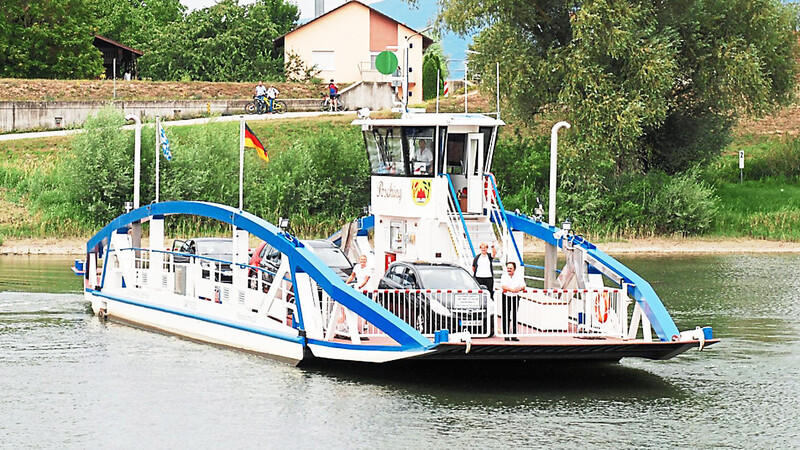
(741, 166)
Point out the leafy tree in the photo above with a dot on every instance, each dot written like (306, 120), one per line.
(225, 42)
(47, 39)
(132, 22)
(630, 74)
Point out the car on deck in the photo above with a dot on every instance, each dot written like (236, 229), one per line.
(217, 255)
(432, 296)
(269, 259)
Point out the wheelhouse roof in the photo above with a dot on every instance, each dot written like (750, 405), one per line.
(433, 119)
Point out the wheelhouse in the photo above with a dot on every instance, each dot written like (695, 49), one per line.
(424, 146)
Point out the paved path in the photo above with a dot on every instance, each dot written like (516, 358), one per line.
(248, 117)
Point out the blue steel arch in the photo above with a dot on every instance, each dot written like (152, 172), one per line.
(300, 258)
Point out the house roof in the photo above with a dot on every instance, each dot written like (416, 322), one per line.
(117, 44)
(426, 41)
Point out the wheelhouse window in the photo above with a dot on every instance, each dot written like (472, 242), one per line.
(401, 151)
(385, 150)
(420, 143)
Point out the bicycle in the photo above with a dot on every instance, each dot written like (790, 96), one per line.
(258, 106)
(327, 105)
(279, 107)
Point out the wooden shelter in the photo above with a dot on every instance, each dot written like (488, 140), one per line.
(125, 56)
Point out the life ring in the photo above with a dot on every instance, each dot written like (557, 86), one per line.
(601, 306)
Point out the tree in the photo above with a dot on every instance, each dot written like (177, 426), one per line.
(47, 39)
(431, 69)
(132, 22)
(629, 75)
(225, 42)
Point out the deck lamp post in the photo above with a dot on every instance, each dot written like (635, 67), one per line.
(405, 78)
(136, 230)
(137, 157)
(551, 251)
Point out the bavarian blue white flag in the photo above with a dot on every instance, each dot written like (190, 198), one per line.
(164, 143)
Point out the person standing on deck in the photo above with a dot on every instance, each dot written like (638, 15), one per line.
(361, 273)
(511, 285)
(482, 267)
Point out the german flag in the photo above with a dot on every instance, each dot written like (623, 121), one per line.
(251, 141)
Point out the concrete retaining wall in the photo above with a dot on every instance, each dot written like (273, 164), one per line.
(369, 94)
(21, 116)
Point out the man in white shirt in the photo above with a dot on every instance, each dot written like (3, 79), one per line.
(272, 94)
(361, 273)
(511, 284)
(423, 155)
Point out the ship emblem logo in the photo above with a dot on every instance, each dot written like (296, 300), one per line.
(421, 191)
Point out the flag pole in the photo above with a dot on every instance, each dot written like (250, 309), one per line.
(158, 149)
(241, 162)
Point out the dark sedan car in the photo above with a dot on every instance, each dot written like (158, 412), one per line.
(269, 258)
(220, 249)
(439, 309)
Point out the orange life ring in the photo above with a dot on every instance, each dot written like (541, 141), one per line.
(601, 309)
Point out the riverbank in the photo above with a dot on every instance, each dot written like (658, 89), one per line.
(48, 246)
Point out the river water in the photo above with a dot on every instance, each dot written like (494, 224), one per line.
(69, 380)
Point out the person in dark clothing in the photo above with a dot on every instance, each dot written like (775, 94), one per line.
(482, 267)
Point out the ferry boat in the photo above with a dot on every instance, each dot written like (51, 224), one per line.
(433, 200)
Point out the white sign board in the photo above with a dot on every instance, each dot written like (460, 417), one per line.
(741, 159)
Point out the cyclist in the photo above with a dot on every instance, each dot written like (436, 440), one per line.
(272, 94)
(261, 92)
(334, 94)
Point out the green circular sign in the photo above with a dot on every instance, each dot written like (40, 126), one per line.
(386, 62)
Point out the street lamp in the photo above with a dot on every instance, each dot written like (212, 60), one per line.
(405, 51)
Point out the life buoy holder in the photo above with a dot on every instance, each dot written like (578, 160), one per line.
(601, 306)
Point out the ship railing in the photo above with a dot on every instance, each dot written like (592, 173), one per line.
(564, 312)
(209, 279)
(428, 311)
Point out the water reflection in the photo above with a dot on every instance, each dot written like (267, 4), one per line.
(510, 385)
(38, 273)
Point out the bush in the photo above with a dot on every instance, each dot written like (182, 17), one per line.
(685, 205)
(94, 182)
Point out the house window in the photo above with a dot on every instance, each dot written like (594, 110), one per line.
(372, 57)
(324, 60)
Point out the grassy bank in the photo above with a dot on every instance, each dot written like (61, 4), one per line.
(318, 177)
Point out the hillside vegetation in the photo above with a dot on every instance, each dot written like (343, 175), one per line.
(318, 176)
